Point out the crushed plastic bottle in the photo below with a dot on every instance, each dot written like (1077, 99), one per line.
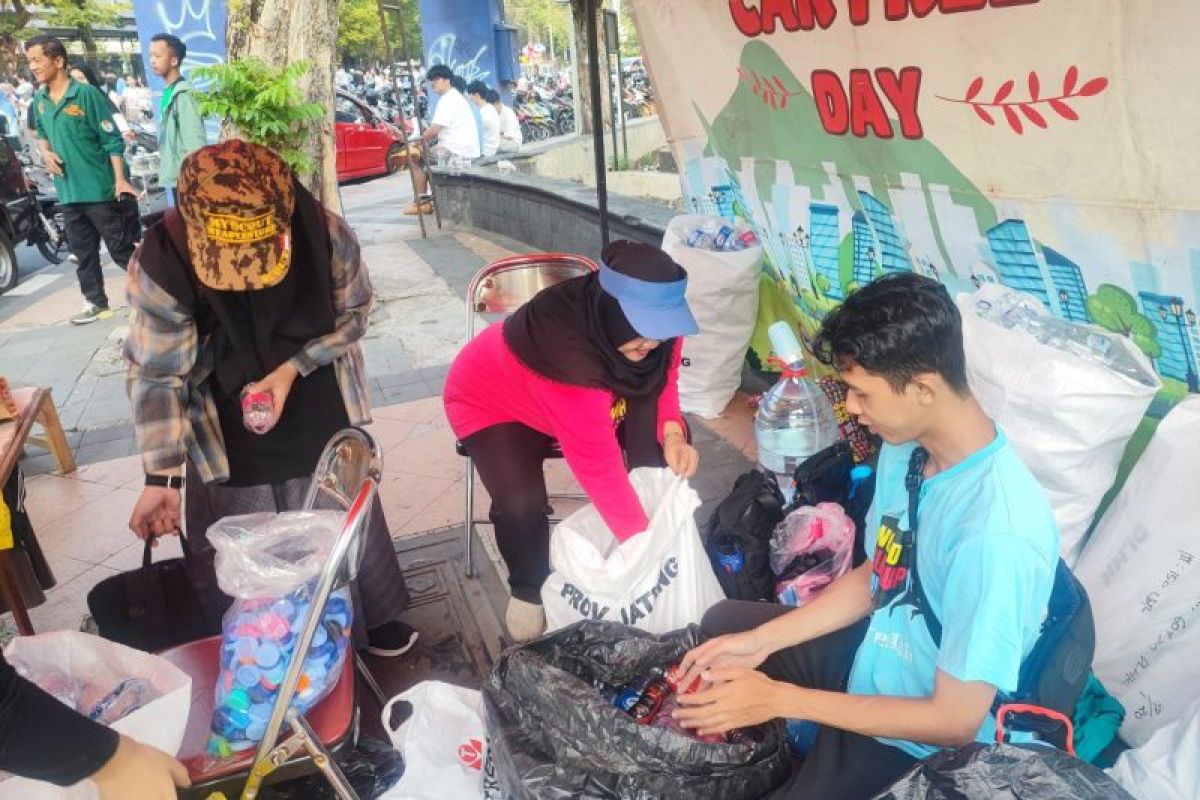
(1021, 312)
(719, 235)
(795, 419)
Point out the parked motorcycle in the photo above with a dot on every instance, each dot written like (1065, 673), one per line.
(27, 216)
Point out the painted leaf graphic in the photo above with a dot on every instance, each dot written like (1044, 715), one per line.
(1034, 86)
(1094, 86)
(984, 115)
(1070, 80)
(974, 88)
(1064, 110)
(1014, 121)
(1004, 91)
(1033, 115)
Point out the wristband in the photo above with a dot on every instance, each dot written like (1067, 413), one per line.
(169, 481)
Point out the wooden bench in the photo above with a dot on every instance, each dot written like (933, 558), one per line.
(33, 406)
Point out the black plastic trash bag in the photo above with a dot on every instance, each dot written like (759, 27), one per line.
(554, 736)
(372, 767)
(1005, 772)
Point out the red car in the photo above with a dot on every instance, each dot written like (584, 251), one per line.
(366, 144)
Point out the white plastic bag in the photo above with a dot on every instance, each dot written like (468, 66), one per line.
(722, 292)
(1141, 568)
(658, 580)
(1167, 767)
(1068, 418)
(160, 722)
(269, 555)
(442, 740)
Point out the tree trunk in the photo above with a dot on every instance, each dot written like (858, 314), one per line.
(281, 32)
(583, 85)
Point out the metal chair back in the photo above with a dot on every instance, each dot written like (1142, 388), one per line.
(503, 286)
(349, 458)
(271, 755)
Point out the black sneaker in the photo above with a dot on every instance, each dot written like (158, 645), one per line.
(90, 313)
(391, 639)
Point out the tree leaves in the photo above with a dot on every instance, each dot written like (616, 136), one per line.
(1114, 309)
(265, 105)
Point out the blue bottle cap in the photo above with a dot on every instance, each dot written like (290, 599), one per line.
(247, 675)
(260, 712)
(256, 731)
(239, 719)
(245, 648)
(260, 693)
(284, 609)
(267, 655)
(320, 637)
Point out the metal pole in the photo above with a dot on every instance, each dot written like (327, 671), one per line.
(613, 100)
(593, 50)
(391, 54)
(412, 77)
(621, 94)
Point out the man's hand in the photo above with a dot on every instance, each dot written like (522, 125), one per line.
(744, 650)
(278, 384)
(52, 161)
(732, 697)
(138, 772)
(681, 457)
(156, 513)
(123, 187)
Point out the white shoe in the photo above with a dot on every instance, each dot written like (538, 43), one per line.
(525, 621)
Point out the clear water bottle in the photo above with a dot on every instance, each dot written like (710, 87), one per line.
(795, 419)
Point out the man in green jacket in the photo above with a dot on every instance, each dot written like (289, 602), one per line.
(84, 151)
(180, 126)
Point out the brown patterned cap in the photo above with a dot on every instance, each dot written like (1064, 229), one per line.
(236, 200)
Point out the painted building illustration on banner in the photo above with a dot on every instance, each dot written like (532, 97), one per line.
(847, 180)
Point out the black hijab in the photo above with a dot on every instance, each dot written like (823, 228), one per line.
(570, 333)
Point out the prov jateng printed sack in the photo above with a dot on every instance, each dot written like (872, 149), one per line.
(659, 580)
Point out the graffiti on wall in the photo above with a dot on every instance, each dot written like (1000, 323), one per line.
(445, 50)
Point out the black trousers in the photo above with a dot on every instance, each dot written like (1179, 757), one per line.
(841, 765)
(86, 225)
(509, 460)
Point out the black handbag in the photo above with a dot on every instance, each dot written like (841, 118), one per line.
(161, 605)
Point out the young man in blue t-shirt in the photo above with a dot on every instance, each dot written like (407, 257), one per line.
(859, 660)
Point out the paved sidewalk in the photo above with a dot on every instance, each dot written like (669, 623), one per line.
(416, 327)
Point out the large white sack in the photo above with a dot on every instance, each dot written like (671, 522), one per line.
(1141, 568)
(1068, 418)
(1167, 767)
(723, 294)
(659, 580)
(159, 723)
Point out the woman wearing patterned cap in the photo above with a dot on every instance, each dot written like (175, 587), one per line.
(592, 363)
(252, 283)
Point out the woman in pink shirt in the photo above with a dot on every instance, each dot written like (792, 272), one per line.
(593, 364)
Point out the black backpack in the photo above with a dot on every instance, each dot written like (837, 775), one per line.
(745, 520)
(1054, 673)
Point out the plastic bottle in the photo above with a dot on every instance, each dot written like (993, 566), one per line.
(795, 419)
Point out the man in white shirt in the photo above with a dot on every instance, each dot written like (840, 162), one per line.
(477, 93)
(510, 128)
(453, 127)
